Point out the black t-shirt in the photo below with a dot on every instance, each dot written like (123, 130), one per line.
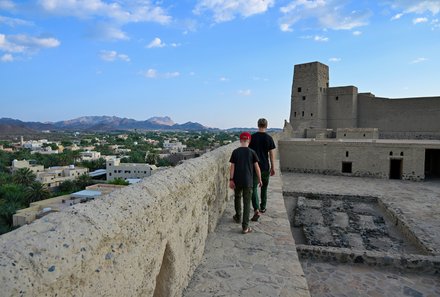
(243, 159)
(262, 143)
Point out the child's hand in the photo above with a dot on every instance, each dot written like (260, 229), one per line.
(260, 183)
(232, 184)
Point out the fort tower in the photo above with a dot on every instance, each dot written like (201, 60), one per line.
(309, 96)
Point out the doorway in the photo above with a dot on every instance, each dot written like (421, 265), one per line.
(395, 168)
(432, 163)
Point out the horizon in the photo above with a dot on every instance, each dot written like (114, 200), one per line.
(217, 64)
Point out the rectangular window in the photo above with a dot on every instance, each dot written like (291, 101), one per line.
(304, 97)
(299, 90)
(346, 167)
(302, 113)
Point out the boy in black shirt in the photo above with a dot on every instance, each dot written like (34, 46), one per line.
(263, 144)
(244, 163)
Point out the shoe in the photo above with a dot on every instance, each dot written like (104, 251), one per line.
(255, 217)
(247, 230)
(263, 210)
(236, 219)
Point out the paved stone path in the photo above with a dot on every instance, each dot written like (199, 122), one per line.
(337, 280)
(418, 203)
(262, 263)
(265, 263)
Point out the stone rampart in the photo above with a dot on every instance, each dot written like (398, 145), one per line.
(143, 240)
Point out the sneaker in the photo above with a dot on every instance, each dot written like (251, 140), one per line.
(255, 217)
(236, 219)
(247, 230)
(263, 210)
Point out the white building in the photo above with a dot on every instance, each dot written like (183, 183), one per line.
(174, 147)
(53, 176)
(116, 169)
(16, 164)
(90, 155)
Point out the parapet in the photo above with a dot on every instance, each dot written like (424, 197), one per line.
(142, 240)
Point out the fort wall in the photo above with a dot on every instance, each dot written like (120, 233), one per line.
(142, 240)
(409, 115)
(361, 158)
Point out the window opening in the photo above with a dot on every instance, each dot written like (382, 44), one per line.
(346, 167)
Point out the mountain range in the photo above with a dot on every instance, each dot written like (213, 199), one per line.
(98, 124)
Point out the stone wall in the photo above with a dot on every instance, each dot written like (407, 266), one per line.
(143, 240)
(400, 115)
(365, 158)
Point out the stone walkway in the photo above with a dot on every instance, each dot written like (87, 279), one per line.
(418, 203)
(265, 262)
(262, 263)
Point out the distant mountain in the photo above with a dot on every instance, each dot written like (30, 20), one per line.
(102, 124)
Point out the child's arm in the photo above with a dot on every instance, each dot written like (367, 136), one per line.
(231, 176)
(258, 171)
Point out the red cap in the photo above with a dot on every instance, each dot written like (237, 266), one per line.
(245, 136)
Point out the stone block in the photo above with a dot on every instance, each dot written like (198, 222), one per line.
(318, 235)
(355, 241)
(366, 222)
(340, 220)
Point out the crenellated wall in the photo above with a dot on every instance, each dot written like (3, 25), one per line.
(143, 240)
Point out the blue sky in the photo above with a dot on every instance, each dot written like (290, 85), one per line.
(222, 63)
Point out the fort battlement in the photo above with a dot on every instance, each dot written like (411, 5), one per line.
(142, 240)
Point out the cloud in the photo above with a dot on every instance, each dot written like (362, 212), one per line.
(246, 92)
(109, 15)
(316, 38)
(7, 58)
(106, 32)
(123, 11)
(156, 42)
(329, 14)
(320, 38)
(111, 56)
(335, 60)
(419, 60)
(419, 20)
(357, 33)
(26, 44)
(153, 73)
(418, 7)
(226, 10)
(223, 79)
(435, 24)
(12, 22)
(171, 74)
(397, 16)
(6, 4)
(285, 28)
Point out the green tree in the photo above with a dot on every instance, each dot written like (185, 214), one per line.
(13, 193)
(36, 192)
(7, 210)
(24, 176)
(67, 187)
(119, 181)
(152, 158)
(83, 181)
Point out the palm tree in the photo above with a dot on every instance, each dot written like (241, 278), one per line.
(83, 181)
(36, 192)
(23, 176)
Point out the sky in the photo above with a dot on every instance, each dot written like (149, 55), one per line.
(222, 63)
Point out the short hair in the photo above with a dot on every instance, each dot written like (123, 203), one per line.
(262, 123)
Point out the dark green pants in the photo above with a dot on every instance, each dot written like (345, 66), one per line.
(246, 193)
(265, 179)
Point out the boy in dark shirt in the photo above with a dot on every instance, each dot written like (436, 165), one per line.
(244, 163)
(263, 144)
